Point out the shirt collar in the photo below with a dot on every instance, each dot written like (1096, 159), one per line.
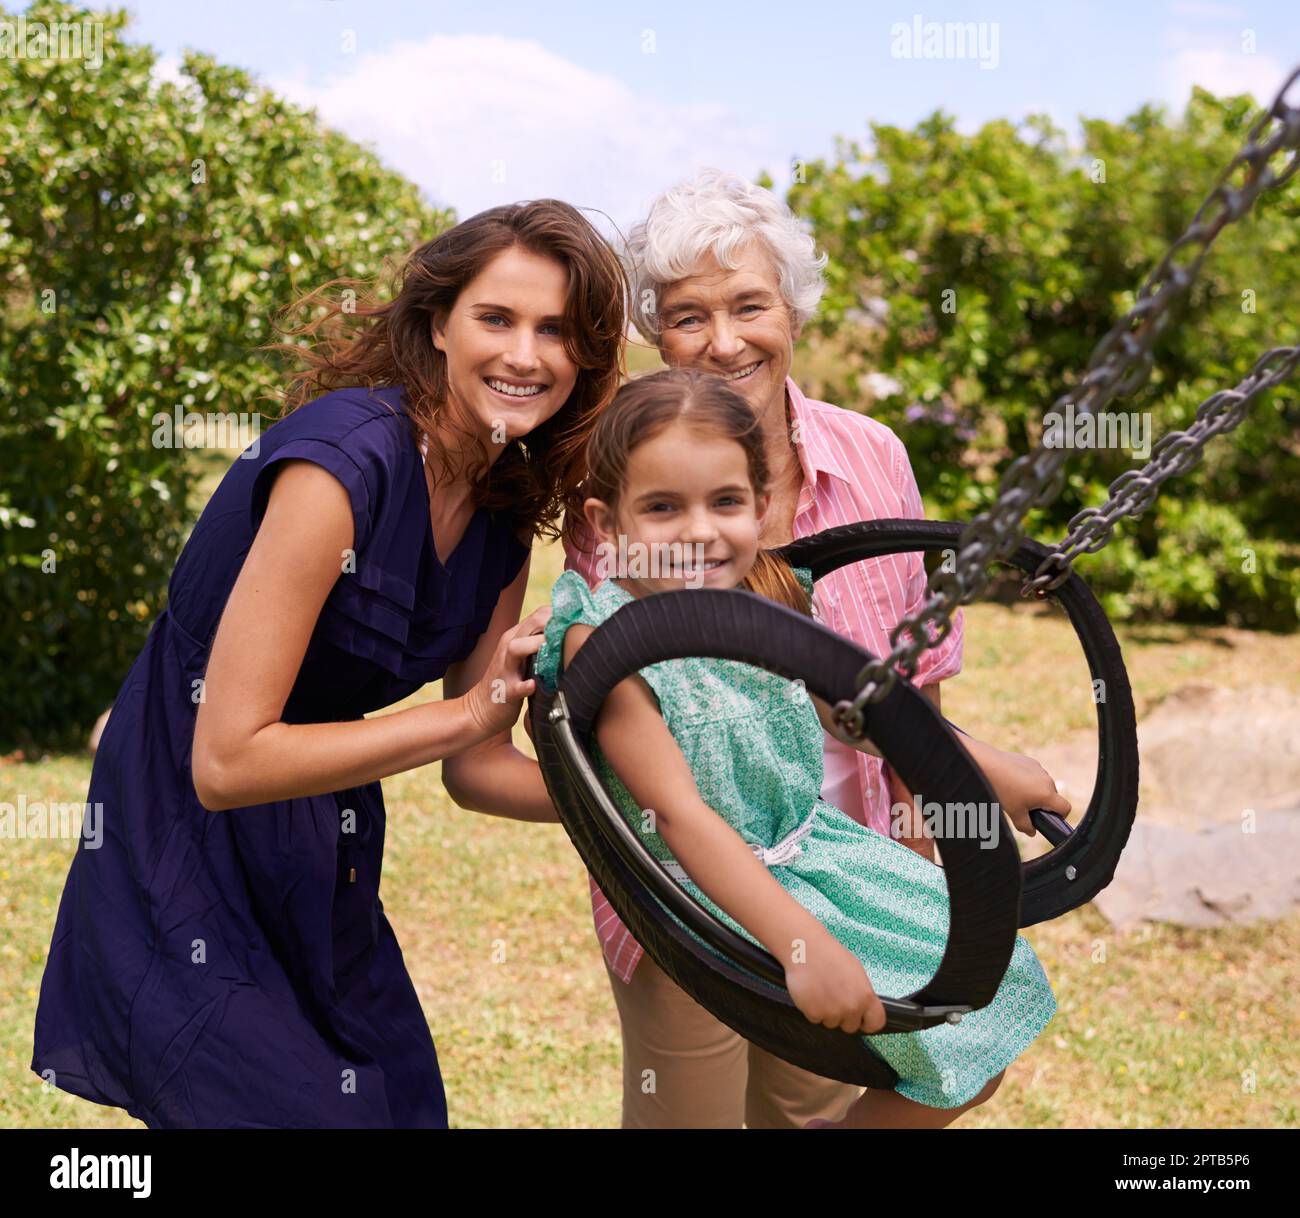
(816, 454)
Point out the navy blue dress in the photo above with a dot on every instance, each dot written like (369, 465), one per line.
(223, 969)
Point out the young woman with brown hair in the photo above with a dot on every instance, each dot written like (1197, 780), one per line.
(224, 958)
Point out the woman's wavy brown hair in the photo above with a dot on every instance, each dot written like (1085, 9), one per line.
(643, 407)
(362, 339)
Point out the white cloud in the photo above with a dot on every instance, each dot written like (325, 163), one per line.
(1205, 11)
(1222, 72)
(168, 68)
(455, 114)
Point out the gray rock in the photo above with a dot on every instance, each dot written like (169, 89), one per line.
(1214, 762)
(1207, 877)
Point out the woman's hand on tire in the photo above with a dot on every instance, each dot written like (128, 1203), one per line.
(494, 703)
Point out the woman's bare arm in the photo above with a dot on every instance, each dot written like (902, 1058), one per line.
(243, 753)
(1019, 782)
(495, 777)
(635, 740)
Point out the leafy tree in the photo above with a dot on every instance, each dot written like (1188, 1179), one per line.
(971, 276)
(149, 232)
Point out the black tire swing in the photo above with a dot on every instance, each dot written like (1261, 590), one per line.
(739, 982)
(990, 891)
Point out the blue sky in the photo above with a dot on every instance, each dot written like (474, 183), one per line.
(607, 104)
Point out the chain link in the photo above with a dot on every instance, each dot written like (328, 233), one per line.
(1119, 365)
(1134, 491)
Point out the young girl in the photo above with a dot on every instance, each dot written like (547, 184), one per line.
(729, 758)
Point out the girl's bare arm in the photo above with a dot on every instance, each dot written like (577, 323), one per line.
(635, 740)
(1019, 782)
(243, 753)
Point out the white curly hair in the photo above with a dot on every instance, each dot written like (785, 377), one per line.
(719, 213)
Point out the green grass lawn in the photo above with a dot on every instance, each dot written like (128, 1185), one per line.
(1162, 1027)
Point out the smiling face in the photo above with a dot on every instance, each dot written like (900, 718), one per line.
(734, 324)
(688, 500)
(506, 362)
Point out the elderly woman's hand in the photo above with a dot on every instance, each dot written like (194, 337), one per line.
(1021, 784)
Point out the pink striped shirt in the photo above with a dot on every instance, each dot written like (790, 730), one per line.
(854, 468)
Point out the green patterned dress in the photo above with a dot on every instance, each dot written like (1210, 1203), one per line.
(754, 744)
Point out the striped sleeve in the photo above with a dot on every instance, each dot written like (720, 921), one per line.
(580, 553)
(937, 663)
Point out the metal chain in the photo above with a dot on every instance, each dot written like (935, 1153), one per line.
(1119, 365)
(1135, 490)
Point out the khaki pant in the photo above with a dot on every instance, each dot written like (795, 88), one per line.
(684, 1069)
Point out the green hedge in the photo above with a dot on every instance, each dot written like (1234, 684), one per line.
(978, 271)
(148, 234)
